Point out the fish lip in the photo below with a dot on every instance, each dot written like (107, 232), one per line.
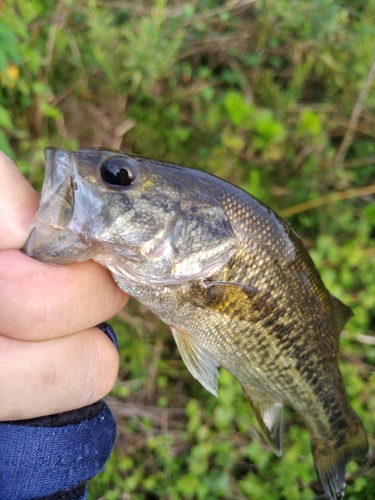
(54, 213)
(56, 169)
(54, 209)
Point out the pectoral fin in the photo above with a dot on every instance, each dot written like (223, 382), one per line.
(239, 301)
(269, 414)
(201, 365)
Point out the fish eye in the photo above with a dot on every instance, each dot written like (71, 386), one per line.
(114, 172)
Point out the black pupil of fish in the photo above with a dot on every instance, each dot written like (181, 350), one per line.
(114, 172)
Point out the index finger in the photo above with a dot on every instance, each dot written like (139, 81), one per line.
(39, 301)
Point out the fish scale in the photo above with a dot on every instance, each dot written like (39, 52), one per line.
(230, 277)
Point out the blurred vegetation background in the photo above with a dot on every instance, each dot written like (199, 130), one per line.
(276, 96)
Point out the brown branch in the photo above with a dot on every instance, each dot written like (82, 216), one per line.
(157, 415)
(354, 119)
(72, 87)
(369, 252)
(365, 339)
(329, 198)
(239, 4)
(176, 11)
(359, 162)
(341, 122)
(360, 338)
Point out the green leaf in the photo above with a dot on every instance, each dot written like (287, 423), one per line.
(5, 119)
(238, 109)
(5, 146)
(310, 123)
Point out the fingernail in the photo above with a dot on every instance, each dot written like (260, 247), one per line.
(108, 330)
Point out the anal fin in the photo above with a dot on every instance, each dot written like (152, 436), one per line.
(199, 362)
(269, 414)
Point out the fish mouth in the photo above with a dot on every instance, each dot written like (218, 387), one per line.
(51, 240)
(57, 199)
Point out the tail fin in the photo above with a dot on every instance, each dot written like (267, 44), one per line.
(331, 457)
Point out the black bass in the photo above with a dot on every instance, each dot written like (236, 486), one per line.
(227, 274)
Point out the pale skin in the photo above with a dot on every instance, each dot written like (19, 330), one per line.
(52, 358)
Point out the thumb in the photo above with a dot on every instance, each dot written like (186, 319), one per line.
(18, 203)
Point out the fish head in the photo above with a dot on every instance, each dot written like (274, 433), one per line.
(146, 221)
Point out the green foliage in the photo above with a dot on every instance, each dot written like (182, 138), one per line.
(260, 93)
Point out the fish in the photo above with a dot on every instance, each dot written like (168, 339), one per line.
(229, 276)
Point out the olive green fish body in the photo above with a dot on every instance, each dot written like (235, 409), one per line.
(229, 276)
(267, 318)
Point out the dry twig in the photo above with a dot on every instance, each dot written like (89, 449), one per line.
(359, 162)
(354, 119)
(157, 415)
(365, 339)
(361, 338)
(329, 198)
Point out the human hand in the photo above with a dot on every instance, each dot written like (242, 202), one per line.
(52, 358)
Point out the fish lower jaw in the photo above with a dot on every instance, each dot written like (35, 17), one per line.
(55, 246)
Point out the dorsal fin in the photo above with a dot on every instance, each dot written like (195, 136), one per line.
(342, 313)
(201, 365)
(269, 414)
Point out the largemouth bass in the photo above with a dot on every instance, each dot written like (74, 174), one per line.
(226, 273)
